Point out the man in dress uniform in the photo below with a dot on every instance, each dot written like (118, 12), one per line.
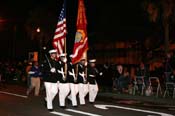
(50, 78)
(92, 74)
(63, 83)
(82, 81)
(72, 79)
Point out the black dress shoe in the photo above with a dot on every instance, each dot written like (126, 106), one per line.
(63, 107)
(75, 106)
(82, 104)
(45, 103)
(50, 110)
(68, 101)
(91, 102)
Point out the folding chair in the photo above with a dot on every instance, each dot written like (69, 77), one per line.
(169, 89)
(154, 84)
(139, 85)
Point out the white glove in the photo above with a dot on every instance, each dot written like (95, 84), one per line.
(53, 70)
(31, 72)
(101, 74)
(65, 60)
(85, 64)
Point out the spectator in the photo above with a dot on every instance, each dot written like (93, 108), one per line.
(119, 78)
(35, 79)
(144, 72)
(168, 66)
(172, 77)
(142, 77)
(126, 81)
(28, 68)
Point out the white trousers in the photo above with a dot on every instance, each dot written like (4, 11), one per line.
(76, 89)
(63, 92)
(93, 90)
(51, 91)
(83, 90)
(73, 93)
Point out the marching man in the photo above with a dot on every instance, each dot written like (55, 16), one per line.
(72, 79)
(82, 81)
(50, 79)
(91, 76)
(63, 83)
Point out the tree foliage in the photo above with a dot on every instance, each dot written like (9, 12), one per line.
(161, 11)
(156, 9)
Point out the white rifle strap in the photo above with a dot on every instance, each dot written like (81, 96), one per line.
(72, 73)
(83, 75)
(61, 72)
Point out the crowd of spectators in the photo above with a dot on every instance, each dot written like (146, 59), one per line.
(123, 77)
(13, 72)
(119, 77)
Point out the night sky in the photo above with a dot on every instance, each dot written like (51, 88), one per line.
(112, 19)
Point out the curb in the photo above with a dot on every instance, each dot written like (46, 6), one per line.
(151, 99)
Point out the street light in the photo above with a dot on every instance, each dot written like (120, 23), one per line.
(38, 30)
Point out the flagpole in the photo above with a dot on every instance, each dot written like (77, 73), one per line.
(65, 65)
(65, 46)
(85, 56)
(76, 71)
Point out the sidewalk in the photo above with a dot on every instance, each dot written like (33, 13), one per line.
(113, 95)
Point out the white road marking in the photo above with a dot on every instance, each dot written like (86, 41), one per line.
(133, 109)
(18, 95)
(82, 112)
(60, 114)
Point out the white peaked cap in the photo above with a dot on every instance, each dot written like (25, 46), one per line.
(62, 55)
(92, 60)
(52, 51)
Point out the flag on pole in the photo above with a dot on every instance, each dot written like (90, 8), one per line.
(81, 39)
(60, 32)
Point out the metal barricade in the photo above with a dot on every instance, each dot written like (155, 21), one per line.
(139, 85)
(154, 84)
(169, 89)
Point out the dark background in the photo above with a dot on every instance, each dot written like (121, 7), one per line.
(111, 20)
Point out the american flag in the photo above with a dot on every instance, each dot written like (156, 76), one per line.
(60, 32)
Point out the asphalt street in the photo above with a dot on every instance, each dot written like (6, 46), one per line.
(14, 102)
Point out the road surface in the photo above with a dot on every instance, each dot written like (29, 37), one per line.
(14, 102)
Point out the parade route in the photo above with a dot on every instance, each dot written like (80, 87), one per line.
(14, 102)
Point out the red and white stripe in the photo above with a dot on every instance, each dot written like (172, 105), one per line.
(60, 36)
